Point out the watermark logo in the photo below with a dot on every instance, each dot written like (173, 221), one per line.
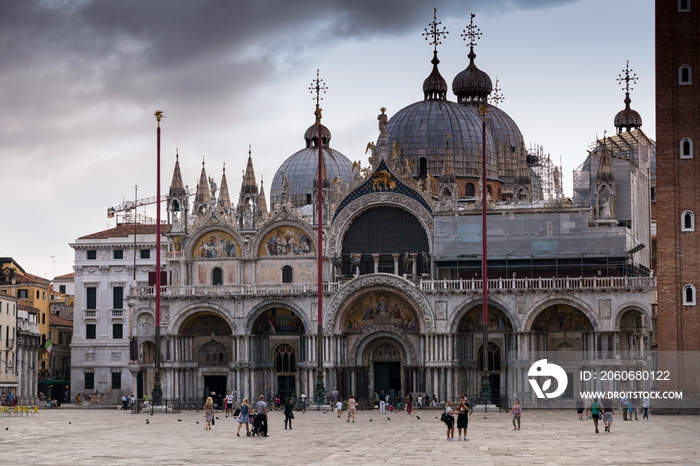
(542, 368)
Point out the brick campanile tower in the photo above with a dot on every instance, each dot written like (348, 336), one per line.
(678, 175)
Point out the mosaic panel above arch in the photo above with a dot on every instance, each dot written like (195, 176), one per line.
(379, 308)
(206, 325)
(498, 321)
(562, 318)
(216, 245)
(286, 241)
(277, 321)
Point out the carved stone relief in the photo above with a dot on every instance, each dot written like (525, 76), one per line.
(441, 310)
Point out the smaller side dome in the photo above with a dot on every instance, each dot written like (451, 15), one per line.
(472, 84)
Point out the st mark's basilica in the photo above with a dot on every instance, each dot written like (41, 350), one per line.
(569, 277)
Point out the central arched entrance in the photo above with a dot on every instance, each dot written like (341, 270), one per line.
(386, 367)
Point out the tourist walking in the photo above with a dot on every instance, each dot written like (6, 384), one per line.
(632, 409)
(229, 404)
(426, 400)
(278, 403)
(225, 407)
(596, 412)
(261, 418)
(516, 411)
(625, 404)
(449, 421)
(352, 408)
(124, 401)
(579, 408)
(409, 403)
(244, 418)
(208, 412)
(303, 402)
(339, 407)
(608, 411)
(420, 401)
(288, 413)
(463, 411)
(646, 403)
(382, 403)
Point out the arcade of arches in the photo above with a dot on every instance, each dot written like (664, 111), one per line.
(379, 343)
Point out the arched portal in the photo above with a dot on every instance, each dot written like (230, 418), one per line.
(210, 339)
(277, 336)
(469, 350)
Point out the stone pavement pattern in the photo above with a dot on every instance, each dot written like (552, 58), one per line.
(107, 437)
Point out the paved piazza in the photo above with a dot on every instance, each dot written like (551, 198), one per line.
(106, 437)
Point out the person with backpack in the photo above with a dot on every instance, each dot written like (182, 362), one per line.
(449, 421)
(243, 418)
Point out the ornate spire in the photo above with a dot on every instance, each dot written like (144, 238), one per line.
(435, 86)
(262, 202)
(177, 187)
(203, 195)
(472, 84)
(605, 171)
(249, 186)
(627, 119)
(224, 198)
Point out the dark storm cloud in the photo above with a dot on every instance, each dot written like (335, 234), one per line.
(61, 58)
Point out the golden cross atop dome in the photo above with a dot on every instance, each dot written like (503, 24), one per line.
(496, 96)
(434, 32)
(472, 32)
(318, 86)
(627, 78)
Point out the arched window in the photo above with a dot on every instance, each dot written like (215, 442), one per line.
(685, 75)
(689, 295)
(687, 221)
(683, 6)
(287, 274)
(285, 359)
(217, 276)
(469, 190)
(488, 190)
(422, 167)
(686, 148)
(308, 199)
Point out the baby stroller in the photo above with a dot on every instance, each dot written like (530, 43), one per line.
(256, 420)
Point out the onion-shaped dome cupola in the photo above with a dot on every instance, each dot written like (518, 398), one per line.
(472, 84)
(627, 119)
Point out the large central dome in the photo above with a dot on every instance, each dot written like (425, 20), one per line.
(428, 129)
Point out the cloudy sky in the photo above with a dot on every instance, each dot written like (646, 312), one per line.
(80, 80)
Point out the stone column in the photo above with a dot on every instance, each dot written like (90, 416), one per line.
(375, 258)
(414, 272)
(396, 258)
(450, 393)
